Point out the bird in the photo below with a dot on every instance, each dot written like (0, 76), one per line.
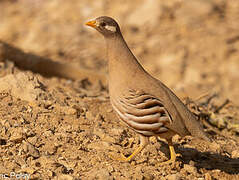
(142, 102)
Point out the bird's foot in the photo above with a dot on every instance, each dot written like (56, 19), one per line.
(119, 157)
(143, 142)
(172, 160)
(173, 156)
(126, 159)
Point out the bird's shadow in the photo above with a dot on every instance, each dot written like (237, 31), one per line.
(46, 66)
(205, 160)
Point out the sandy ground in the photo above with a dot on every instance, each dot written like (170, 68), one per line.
(56, 121)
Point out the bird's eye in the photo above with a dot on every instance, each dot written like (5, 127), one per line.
(103, 24)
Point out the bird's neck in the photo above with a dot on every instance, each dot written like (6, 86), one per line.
(122, 62)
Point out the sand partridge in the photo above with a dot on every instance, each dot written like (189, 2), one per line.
(142, 102)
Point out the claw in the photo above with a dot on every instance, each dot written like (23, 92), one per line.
(118, 157)
(143, 142)
(173, 157)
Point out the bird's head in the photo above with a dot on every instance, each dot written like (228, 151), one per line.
(105, 25)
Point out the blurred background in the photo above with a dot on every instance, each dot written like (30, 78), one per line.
(192, 46)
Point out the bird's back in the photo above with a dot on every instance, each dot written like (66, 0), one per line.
(184, 121)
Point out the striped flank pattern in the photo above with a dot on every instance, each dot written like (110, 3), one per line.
(142, 112)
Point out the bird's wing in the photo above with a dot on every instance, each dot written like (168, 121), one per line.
(143, 112)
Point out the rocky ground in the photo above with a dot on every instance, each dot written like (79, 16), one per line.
(55, 118)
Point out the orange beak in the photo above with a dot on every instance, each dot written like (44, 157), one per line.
(91, 23)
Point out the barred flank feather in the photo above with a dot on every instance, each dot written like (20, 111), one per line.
(142, 112)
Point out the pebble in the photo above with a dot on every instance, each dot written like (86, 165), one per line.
(98, 145)
(65, 177)
(116, 131)
(21, 86)
(173, 177)
(235, 154)
(208, 176)
(33, 140)
(89, 115)
(190, 169)
(31, 150)
(68, 110)
(17, 135)
(101, 174)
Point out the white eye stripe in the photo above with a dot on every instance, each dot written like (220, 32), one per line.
(110, 28)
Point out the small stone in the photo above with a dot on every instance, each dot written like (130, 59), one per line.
(98, 145)
(48, 133)
(190, 169)
(101, 174)
(148, 176)
(235, 154)
(32, 140)
(110, 168)
(177, 138)
(208, 176)
(116, 131)
(89, 115)
(216, 170)
(68, 110)
(50, 173)
(191, 163)
(17, 136)
(215, 147)
(50, 148)
(22, 86)
(28, 132)
(65, 177)
(31, 150)
(48, 104)
(103, 136)
(138, 176)
(29, 170)
(173, 177)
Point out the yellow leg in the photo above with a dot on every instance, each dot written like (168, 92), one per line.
(144, 141)
(173, 155)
